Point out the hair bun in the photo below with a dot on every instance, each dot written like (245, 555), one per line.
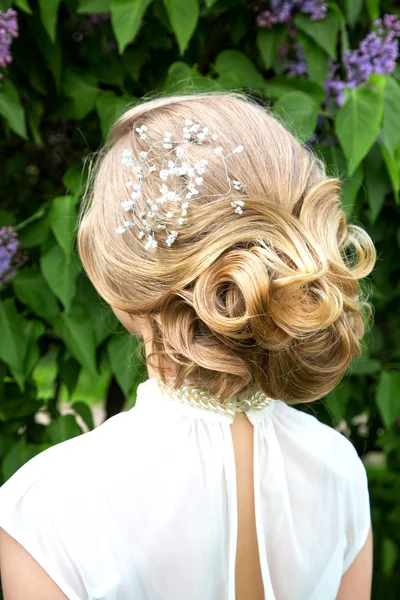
(268, 299)
(287, 316)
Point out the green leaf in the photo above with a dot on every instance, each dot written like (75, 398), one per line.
(63, 428)
(33, 330)
(239, 22)
(93, 390)
(48, 15)
(32, 290)
(34, 114)
(74, 179)
(62, 219)
(269, 41)
(33, 70)
(34, 234)
(184, 79)
(234, 61)
(69, 371)
(316, 58)
(390, 555)
(344, 39)
(51, 52)
(376, 180)
(324, 33)
(103, 319)
(18, 455)
(23, 5)
(60, 272)
(349, 190)
(183, 15)
(12, 339)
(393, 168)
(126, 16)
(109, 107)
(388, 396)
(350, 185)
(93, 6)
(299, 112)
(365, 366)
(82, 89)
(178, 76)
(229, 81)
(353, 11)
(111, 71)
(338, 400)
(357, 124)
(391, 104)
(210, 3)
(11, 108)
(38, 214)
(16, 405)
(281, 84)
(85, 412)
(77, 333)
(124, 360)
(373, 7)
(133, 61)
(7, 219)
(45, 374)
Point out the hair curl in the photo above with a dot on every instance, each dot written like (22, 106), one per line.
(267, 300)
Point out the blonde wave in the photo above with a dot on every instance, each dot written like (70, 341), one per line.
(268, 300)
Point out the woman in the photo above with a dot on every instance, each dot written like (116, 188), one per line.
(218, 238)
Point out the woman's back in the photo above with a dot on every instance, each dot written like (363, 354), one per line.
(248, 574)
(157, 503)
(219, 239)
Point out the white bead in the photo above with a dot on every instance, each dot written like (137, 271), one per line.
(201, 399)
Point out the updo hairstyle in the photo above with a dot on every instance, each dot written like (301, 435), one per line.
(268, 300)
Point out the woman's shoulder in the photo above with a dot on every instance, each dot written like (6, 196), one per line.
(309, 436)
(65, 469)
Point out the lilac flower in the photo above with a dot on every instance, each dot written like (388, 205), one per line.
(297, 66)
(10, 258)
(95, 20)
(377, 53)
(8, 30)
(283, 50)
(334, 85)
(110, 46)
(282, 11)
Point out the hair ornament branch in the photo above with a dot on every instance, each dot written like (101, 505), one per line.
(174, 165)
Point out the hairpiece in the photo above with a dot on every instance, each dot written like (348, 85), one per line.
(174, 165)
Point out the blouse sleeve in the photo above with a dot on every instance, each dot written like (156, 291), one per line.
(357, 506)
(27, 513)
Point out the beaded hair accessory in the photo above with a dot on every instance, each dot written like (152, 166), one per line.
(199, 398)
(174, 165)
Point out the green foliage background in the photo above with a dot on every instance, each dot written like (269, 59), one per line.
(68, 81)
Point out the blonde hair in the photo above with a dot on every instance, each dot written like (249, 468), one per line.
(267, 300)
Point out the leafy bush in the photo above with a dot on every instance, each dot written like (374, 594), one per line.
(69, 69)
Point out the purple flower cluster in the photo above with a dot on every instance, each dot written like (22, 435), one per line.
(8, 30)
(282, 11)
(377, 53)
(10, 258)
(296, 66)
(95, 20)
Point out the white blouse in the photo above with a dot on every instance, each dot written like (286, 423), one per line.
(144, 507)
